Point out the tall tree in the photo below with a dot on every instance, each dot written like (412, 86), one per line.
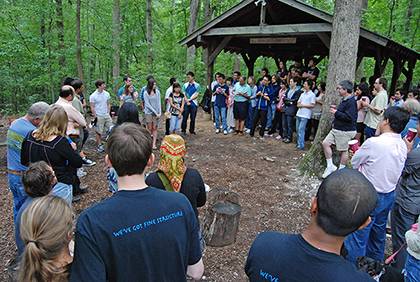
(194, 8)
(149, 36)
(60, 31)
(207, 17)
(78, 42)
(342, 65)
(116, 33)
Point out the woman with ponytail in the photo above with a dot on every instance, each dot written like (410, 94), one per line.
(46, 229)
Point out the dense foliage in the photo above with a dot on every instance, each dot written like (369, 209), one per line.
(30, 50)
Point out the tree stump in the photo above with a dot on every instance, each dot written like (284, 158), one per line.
(221, 222)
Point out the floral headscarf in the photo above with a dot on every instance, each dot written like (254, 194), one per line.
(171, 163)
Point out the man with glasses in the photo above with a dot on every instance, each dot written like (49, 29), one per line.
(344, 127)
(376, 108)
(127, 82)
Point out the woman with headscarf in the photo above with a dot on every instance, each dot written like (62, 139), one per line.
(173, 175)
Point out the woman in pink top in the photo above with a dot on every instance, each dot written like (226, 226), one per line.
(361, 92)
(278, 116)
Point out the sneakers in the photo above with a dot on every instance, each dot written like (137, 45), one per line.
(81, 173)
(225, 132)
(87, 162)
(328, 171)
(100, 149)
(217, 131)
(247, 131)
(279, 138)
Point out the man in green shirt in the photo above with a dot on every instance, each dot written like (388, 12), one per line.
(376, 108)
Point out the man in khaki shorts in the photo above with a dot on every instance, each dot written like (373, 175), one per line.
(101, 107)
(344, 127)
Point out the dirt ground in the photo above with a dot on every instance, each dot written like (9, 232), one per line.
(273, 196)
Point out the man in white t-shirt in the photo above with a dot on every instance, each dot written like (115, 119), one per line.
(305, 104)
(168, 105)
(376, 108)
(213, 97)
(101, 107)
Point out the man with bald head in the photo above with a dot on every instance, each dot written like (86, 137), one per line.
(15, 135)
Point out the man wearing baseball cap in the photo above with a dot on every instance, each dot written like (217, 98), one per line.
(344, 127)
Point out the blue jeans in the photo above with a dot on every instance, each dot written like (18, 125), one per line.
(369, 132)
(300, 130)
(174, 124)
(220, 112)
(250, 118)
(370, 241)
(288, 127)
(412, 269)
(64, 191)
(19, 195)
(270, 115)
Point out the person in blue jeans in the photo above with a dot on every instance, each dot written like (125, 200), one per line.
(263, 102)
(221, 91)
(305, 105)
(412, 266)
(274, 92)
(15, 135)
(381, 159)
(252, 104)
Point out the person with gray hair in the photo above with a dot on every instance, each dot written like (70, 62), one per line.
(344, 127)
(15, 135)
(413, 107)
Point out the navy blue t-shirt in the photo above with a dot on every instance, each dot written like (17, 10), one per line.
(278, 257)
(142, 235)
(220, 98)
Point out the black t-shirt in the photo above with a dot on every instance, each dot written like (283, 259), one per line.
(142, 235)
(313, 71)
(192, 187)
(177, 101)
(285, 258)
(58, 153)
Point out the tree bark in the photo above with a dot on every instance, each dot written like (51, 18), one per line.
(207, 17)
(194, 8)
(78, 42)
(342, 66)
(116, 33)
(60, 32)
(237, 63)
(149, 35)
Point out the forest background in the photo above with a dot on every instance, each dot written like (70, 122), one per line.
(43, 41)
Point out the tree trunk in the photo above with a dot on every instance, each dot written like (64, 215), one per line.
(237, 63)
(60, 32)
(194, 8)
(116, 32)
(342, 66)
(149, 35)
(207, 17)
(78, 42)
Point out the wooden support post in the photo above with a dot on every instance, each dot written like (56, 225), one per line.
(219, 48)
(263, 12)
(396, 72)
(249, 62)
(409, 75)
(378, 60)
(325, 38)
(209, 65)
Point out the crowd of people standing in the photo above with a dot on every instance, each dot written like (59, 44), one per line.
(151, 218)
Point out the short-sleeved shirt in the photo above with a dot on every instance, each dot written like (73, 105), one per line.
(220, 97)
(176, 100)
(15, 136)
(238, 88)
(289, 258)
(141, 235)
(190, 89)
(306, 98)
(380, 102)
(313, 71)
(100, 101)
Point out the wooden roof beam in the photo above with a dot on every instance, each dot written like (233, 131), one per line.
(288, 29)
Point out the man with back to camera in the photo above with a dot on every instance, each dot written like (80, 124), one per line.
(342, 205)
(15, 135)
(141, 233)
(381, 159)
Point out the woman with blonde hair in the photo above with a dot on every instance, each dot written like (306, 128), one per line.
(49, 143)
(46, 229)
